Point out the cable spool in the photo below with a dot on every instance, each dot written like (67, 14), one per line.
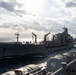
(55, 63)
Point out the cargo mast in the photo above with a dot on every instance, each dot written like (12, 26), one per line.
(35, 37)
(46, 36)
(17, 34)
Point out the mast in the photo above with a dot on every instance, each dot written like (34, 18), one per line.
(46, 36)
(35, 37)
(17, 34)
(53, 38)
(65, 30)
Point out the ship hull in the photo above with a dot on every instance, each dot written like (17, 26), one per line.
(9, 50)
(12, 50)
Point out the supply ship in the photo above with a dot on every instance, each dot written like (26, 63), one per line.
(59, 41)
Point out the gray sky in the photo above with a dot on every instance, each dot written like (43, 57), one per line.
(40, 16)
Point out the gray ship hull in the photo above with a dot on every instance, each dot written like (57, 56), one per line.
(9, 50)
(12, 50)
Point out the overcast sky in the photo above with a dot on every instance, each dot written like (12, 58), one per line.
(40, 16)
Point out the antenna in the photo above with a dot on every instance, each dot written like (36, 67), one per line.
(17, 34)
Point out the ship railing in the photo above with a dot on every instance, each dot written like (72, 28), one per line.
(63, 69)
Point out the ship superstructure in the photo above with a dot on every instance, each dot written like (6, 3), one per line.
(62, 38)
